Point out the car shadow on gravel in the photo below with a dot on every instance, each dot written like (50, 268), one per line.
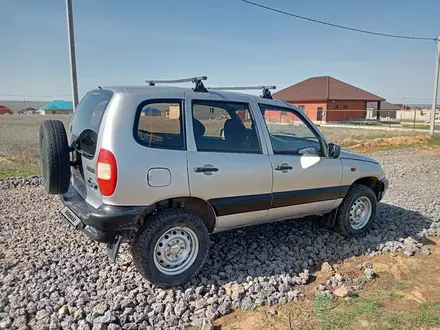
(287, 248)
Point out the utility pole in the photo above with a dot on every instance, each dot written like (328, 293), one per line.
(434, 98)
(72, 53)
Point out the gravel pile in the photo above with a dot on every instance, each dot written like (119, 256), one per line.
(343, 285)
(20, 182)
(52, 277)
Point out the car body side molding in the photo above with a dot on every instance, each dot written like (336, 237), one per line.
(250, 203)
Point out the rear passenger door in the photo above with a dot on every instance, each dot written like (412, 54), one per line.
(227, 164)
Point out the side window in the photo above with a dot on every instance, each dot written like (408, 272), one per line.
(293, 137)
(160, 125)
(224, 127)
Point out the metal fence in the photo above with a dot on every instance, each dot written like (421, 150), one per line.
(417, 119)
(351, 128)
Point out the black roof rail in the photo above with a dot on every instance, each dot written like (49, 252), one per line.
(199, 87)
(266, 90)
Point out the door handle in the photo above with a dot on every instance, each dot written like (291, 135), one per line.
(206, 169)
(284, 167)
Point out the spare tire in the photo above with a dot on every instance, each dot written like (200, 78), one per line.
(54, 157)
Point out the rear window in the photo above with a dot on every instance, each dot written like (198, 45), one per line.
(89, 112)
(159, 124)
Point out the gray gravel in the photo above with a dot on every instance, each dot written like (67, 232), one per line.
(52, 277)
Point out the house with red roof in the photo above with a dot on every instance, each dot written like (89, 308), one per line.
(4, 109)
(327, 99)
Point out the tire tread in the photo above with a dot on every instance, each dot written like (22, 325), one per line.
(58, 161)
(154, 225)
(342, 225)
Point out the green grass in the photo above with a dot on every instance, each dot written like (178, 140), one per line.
(333, 314)
(395, 296)
(360, 312)
(435, 140)
(427, 314)
(326, 318)
(16, 170)
(399, 286)
(421, 126)
(321, 304)
(362, 306)
(391, 322)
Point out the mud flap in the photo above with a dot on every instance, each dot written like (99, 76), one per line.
(329, 219)
(113, 248)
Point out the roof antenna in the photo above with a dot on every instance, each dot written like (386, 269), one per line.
(99, 87)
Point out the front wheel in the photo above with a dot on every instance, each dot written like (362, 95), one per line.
(171, 247)
(357, 211)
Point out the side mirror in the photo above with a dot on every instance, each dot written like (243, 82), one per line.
(333, 150)
(222, 133)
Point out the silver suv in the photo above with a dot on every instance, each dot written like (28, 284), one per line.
(163, 167)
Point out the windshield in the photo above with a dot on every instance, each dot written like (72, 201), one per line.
(89, 112)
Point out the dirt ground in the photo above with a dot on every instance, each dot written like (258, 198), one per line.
(405, 295)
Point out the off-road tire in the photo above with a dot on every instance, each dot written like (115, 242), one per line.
(142, 249)
(342, 223)
(54, 157)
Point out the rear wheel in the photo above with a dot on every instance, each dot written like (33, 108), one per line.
(54, 157)
(357, 211)
(171, 247)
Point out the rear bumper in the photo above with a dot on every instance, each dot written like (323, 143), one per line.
(383, 186)
(104, 223)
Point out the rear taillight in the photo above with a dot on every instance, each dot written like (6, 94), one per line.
(107, 172)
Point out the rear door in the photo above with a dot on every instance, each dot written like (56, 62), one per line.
(84, 129)
(305, 182)
(227, 163)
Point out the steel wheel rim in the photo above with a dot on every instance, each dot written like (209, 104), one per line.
(176, 250)
(360, 212)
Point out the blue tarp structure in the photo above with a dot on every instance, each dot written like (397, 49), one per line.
(58, 105)
(151, 111)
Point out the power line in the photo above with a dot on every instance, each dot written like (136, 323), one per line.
(335, 25)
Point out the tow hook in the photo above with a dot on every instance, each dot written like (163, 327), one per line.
(113, 248)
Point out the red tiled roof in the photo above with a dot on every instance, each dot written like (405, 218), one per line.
(323, 89)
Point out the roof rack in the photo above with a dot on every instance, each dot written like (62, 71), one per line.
(199, 87)
(266, 90)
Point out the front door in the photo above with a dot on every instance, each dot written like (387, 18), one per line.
(319, 116)
(227, 165)
(305, 182)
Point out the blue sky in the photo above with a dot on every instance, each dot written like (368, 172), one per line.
(125, 42)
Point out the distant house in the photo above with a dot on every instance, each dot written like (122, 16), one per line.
(57, 107)
(383, 106)
(173, 111)
(4, 110)
(387, 110)
(326, 99)
(404, 107)
(151, 112)
(29, 111)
